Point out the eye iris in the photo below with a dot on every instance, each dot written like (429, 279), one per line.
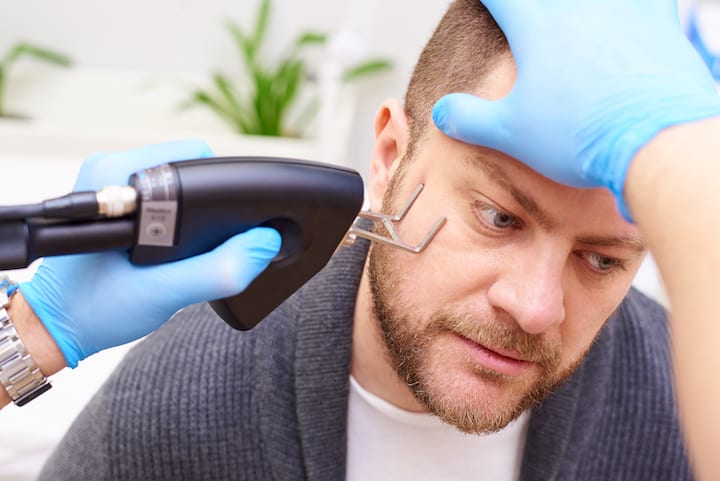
(603, 263)
(503, 220)
(606, 262)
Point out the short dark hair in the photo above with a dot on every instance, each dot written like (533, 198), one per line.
(464, 47)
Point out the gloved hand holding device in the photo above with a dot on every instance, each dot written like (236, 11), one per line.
(596, 81)
(91, 302)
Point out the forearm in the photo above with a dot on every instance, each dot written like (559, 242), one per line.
(672, 190)
(37, 340)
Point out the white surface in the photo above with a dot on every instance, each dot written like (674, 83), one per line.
(389, 443)
(28, 434)
(187, 38)
(83, 110)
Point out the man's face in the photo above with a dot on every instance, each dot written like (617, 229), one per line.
(507, 299)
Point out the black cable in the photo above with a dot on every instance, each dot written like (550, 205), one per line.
(19, 212)
(21, 242)
(77, 205)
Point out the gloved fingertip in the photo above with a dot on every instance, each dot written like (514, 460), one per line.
(471, 119)
(441, 117)
(460, 115)
(265, 242)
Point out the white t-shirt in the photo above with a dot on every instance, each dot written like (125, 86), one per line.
(389, 443)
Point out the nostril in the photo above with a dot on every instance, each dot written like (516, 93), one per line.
(535, 306)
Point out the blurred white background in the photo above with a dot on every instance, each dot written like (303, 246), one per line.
(181, 39)
(171, 42)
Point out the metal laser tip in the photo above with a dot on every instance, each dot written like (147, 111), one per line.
(389, 222)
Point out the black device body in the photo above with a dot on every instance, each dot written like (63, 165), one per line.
(312, 205)
(189, 207)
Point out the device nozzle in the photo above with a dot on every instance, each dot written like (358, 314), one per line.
(116, 200)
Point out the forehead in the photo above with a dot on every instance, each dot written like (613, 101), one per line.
(499, 79)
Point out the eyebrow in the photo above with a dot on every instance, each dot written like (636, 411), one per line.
(627, 242)
(497, 174)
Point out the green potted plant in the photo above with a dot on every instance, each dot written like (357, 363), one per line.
(259, 103)
(25, 50)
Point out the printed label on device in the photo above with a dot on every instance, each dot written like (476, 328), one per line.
(157, 223)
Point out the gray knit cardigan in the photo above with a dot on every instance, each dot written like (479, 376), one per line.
(198, 400)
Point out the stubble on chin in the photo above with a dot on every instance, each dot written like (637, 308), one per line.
(408, 344)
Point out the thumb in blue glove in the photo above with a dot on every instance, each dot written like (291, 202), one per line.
(91, 302)
(596, 80)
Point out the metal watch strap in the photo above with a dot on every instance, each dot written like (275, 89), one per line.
(19, 375)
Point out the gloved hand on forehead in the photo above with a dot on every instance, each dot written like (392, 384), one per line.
(91, 302)
(597, 80)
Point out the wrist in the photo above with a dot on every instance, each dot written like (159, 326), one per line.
(22, 378)
(48, 304)
(39, 343)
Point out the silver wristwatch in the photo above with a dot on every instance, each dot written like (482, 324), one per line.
(19, 375)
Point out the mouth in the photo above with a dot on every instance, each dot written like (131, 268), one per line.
(502, 361)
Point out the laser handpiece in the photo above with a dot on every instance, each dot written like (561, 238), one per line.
(182, 209)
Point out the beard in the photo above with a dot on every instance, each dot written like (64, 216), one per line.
(411, 348)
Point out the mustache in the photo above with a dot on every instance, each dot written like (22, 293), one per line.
(502, 334)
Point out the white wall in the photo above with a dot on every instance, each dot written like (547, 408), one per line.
(187, 37)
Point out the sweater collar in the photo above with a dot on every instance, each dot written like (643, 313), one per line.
(322, 363)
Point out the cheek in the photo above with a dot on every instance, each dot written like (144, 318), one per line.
(448, 272)
(457, 267)
(587, 313)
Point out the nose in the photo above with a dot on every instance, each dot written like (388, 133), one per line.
(530, 289)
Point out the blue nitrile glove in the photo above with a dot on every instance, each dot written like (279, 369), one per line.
(91, 302)
(597, 79)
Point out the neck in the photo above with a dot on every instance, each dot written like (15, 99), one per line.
(370, 365)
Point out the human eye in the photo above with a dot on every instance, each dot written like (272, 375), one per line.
(603, 264)
(495, 218)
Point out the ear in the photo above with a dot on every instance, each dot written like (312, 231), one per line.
(391, 136)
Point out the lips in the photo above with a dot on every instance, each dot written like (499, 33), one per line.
(501, 361)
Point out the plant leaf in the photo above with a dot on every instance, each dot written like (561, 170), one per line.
(239, 113)
(306, 39)
(287, 84)
(261, 23)
(272, 88)
(39, 53)
(310, 38)
(204, 98)
(227, 91)
(265, 104)
(244, 44)
(363, 69)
